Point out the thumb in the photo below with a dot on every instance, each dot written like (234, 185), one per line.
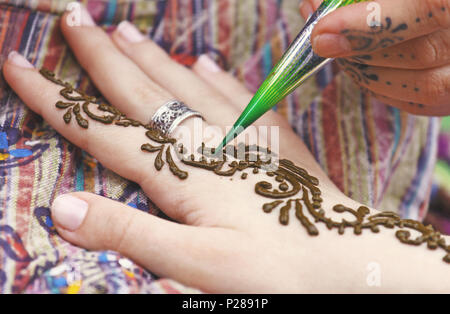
(98, 223)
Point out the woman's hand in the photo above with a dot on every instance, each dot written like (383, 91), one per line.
(404, 62)
(224, 241)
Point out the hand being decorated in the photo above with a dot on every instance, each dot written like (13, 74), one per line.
(397, 50)
(237, 225)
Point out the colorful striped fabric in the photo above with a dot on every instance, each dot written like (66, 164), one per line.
(376, 154)
(439, 214)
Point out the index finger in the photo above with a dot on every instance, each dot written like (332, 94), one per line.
(370, 26)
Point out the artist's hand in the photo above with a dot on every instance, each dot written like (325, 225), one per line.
(224, 241)
(404, 62)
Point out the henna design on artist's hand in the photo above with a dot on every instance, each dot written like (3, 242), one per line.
(359, 72)
(290, 186)
(362, 74)
(378, 37)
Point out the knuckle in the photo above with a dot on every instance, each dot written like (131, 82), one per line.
(89, 143)
(181, 204)
(143, 92)
(147, 92)
(434, 50)
(436, 88)
(430, 51)
(84, 142)
(117, 229)
(183, 209)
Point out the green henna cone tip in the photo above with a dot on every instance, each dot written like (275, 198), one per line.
(232, 134)
(298, 63)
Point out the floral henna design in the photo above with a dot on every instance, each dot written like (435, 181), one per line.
(291, 187)
(379, 36)
(75, 95)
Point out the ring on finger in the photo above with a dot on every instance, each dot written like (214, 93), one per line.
(170, 115)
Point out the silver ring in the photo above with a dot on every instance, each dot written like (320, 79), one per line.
(170, 115)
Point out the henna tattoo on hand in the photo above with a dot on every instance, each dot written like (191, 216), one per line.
(75, 95)
(290, 186)
(358, 72)
(361, 74)
(379, 36)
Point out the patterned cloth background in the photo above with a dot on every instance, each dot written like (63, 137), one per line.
(439, 214)
(376, 154)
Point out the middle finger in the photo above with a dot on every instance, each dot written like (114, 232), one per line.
(177, 79)
(122, 82)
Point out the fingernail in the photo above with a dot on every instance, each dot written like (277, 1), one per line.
(208, 64)
(129, 32)
(19, 60)
(86, 18)
(69, 211)
(305, 9)
(331, 45)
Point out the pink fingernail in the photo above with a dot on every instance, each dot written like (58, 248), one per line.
(86, 18)
(129, 32)
(19, 60)
(208, 64)
(69, 211)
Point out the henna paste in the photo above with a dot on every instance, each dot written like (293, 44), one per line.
(291, 180)
(270, 206)
(173, 166)
(159, 163)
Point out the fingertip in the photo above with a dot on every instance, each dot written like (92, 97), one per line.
(348, 17)
(118, 40)
(135, 44)
(305, 9)
(326, 34)
(206, 64)
(129, 33)
(69, 211)
(14, 67)
(331, 45)
(76, 15)
(126, 36)
(17, 60)
(72, 215)
(6, 69)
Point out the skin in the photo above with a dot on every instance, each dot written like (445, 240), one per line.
(411, 72)
(223, 242)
